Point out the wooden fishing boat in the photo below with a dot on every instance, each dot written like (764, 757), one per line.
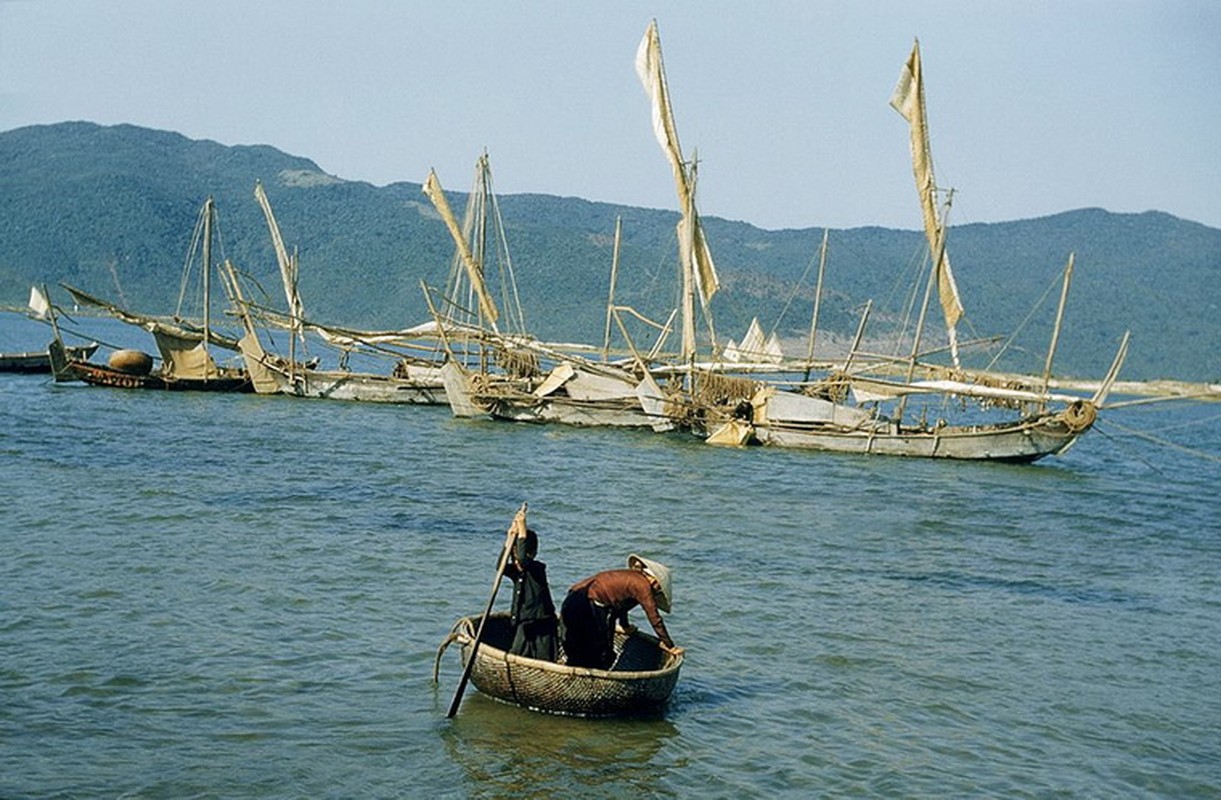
(218, 379)
(186, 360)
(40, 362)
(414, 378)
(494, 368)
(886, 405)
(639, 681)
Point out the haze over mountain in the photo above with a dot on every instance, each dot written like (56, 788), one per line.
(111, 210)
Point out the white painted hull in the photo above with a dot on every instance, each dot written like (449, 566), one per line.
(364, 387)
(1021, 441)
(270, 375)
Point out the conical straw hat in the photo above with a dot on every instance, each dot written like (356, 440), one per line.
(659, 571)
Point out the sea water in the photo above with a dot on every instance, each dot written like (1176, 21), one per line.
(242, 596)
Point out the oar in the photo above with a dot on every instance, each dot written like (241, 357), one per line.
(519, 521)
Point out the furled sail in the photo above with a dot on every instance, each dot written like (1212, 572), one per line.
(154, 325)
(908, 100)
(289, 272)
(474, 271)
(652, 75)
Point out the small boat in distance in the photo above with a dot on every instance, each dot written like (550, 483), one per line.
(40, 362)
(187, 363)
(639, 682)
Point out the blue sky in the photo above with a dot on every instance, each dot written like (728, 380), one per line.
(1034, 107)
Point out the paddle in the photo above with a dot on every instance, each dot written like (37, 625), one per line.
(519, 523)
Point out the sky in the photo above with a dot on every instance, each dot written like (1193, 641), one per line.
(1035, 107)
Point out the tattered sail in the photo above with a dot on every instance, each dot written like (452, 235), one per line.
(908, 100)
(185, 358)
(652, 75)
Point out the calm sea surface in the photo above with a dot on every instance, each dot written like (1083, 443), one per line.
(238, 596)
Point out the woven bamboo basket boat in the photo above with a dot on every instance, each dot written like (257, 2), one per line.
(640, 680)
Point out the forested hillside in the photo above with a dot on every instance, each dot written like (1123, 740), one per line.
(111, 210)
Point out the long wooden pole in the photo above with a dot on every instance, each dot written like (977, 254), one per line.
(610, 300)
(519, 521)
(207, 273)
(822, 266)
(860, 332)
(1055, 333)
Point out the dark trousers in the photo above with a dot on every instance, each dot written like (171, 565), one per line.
(588, 635)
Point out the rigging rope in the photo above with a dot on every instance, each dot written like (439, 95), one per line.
(1166, 442)
(1013, 334)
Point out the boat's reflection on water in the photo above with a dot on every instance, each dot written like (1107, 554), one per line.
(526, 753)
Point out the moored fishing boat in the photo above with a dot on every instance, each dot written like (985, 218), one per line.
(414, 377)
(118, 373)
(819, 415)
(185, 345)
(40, 362)
(494, 367)
(640, 680)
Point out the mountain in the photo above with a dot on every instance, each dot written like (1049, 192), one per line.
(111, 210)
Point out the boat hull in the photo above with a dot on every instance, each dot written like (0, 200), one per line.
(40, 362)
(1021, 441)
(588, 401)
(641, 680)
(567, 411)
(274, 375)
(362, 387)
(98, 375)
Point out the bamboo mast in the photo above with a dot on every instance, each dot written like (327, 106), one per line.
(822, 266)
(1055, 333)
(928, 292)
(860, 332)
(207, 273)
(610, 300)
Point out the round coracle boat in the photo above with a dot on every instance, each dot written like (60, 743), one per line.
(639, 681)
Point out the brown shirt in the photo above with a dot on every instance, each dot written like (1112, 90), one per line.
(622, 590)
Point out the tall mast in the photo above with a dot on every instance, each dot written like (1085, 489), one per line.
(686, 247)
(610, 300)
(928, 291)
(473, 266)
(698, 269)
(822, 266)
(908, 100)
(207, 270)
(1055, 333)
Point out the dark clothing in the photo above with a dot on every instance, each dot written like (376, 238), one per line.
(532, 611)
(592, 608)
(535, 639)
(589, 634)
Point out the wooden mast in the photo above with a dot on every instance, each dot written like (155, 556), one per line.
(1055, 333)
(822, 266)
(207, 273)
(610, 300)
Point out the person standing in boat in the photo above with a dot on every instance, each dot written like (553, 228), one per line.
(532, 612)
(593, 607)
